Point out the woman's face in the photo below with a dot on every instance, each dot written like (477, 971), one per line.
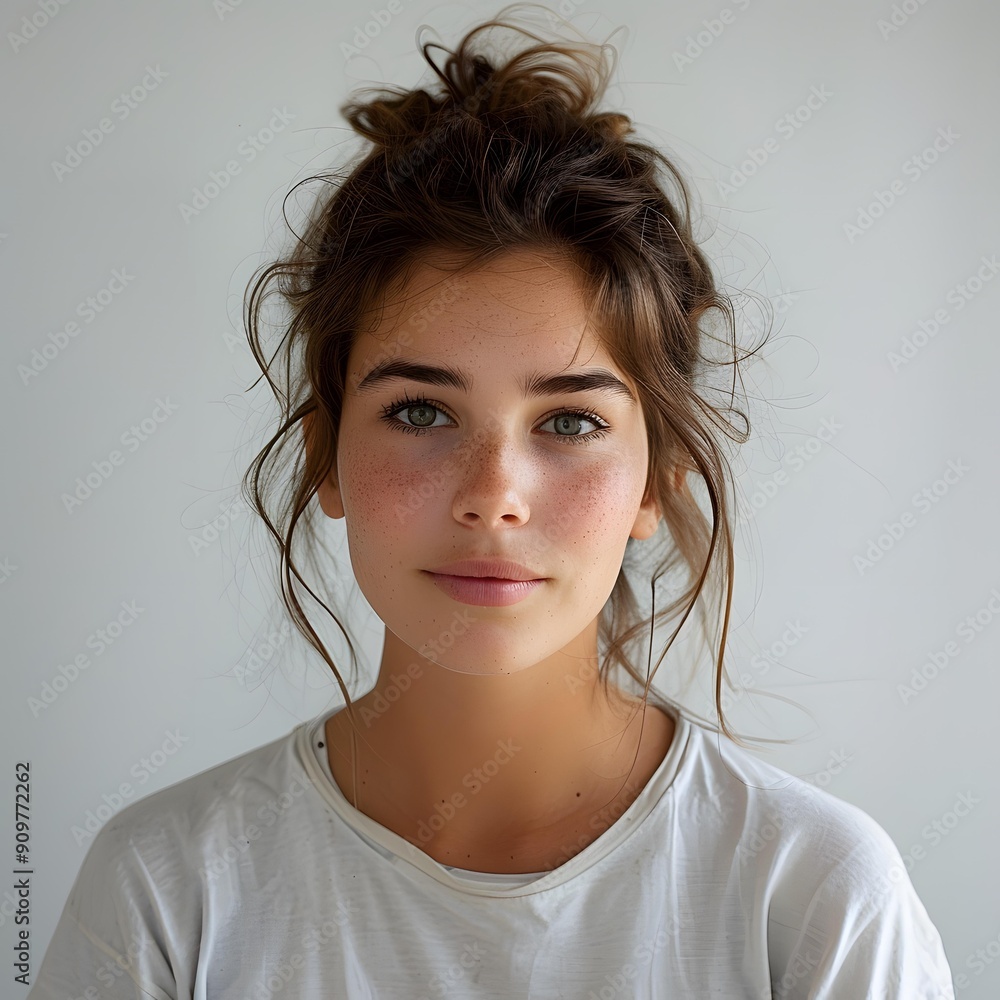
(497, 473)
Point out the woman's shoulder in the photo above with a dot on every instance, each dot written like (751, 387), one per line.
(781, 819)
(195, 811)
(838, 899)
(143, 884)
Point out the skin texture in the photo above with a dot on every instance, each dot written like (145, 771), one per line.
(494, 476)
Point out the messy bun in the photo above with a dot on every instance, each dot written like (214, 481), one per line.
(503, 153)
(556, 90)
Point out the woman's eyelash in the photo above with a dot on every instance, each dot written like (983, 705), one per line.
(389, 411)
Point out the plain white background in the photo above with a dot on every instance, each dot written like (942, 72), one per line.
(854, 440)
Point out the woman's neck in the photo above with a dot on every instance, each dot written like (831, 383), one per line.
(503, 773)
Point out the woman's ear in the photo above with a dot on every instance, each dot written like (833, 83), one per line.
(328, 491)
(647, 520)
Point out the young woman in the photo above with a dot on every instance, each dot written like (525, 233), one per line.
(495, 371)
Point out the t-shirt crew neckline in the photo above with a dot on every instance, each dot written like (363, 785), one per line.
(309, 736)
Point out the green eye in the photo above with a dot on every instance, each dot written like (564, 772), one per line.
(407, 403)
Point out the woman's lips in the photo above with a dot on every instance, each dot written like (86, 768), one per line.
(484, 591)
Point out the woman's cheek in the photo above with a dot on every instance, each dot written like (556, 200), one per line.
(607, 495)
(377, 486)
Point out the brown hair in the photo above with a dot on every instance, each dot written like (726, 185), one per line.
(503, 157)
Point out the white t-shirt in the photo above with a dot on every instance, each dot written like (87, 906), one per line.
(727, 877)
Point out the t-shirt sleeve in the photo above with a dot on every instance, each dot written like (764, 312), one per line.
(862, 934)
(108, 943)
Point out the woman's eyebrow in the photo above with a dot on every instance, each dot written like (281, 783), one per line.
(537, 384)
